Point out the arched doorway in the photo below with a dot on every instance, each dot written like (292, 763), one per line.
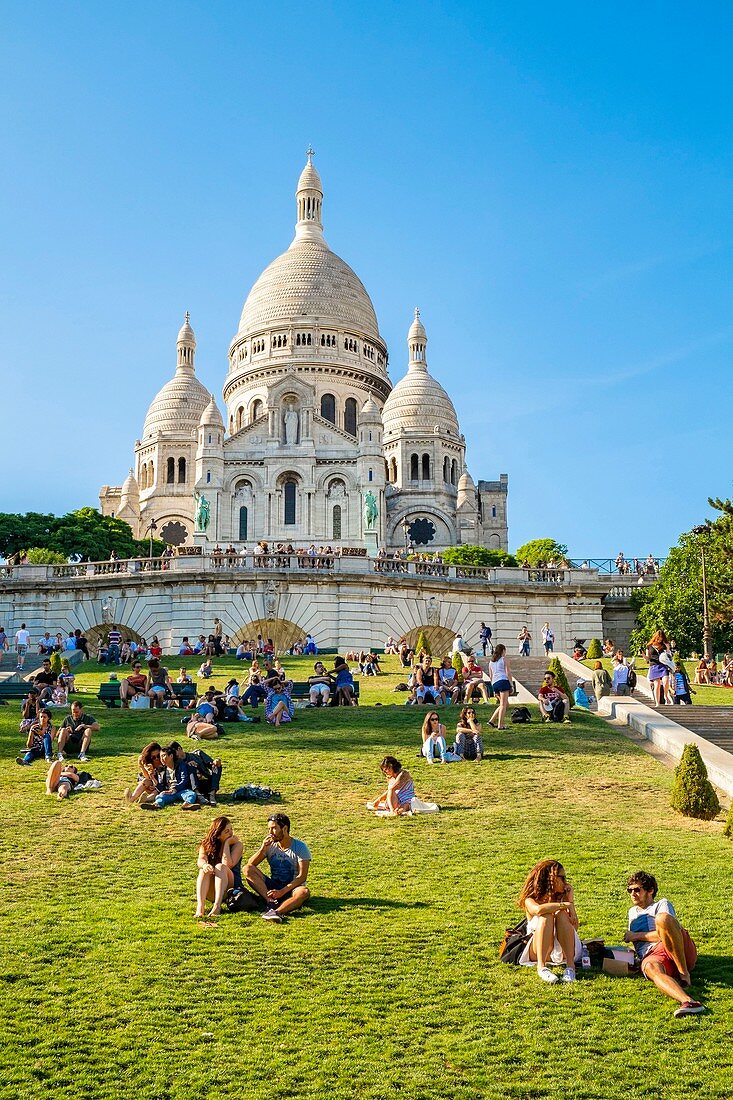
(439, 639)
(282, 631)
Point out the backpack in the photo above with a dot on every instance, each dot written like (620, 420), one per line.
(252, 793)
(631, 679)
(241, 901)
(521, 715)
(514, 942)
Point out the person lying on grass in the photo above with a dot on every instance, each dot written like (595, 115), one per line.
(665, 948)
(284, 889)
(549, 904)
(219, 863)
(40, 740)
(151, 778)
(433, 740)
(63, 779)
(400, 791)
(469, 742)
(201, 729)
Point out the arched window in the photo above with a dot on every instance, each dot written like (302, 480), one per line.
(208, 477)
(336, 521)
(240, 417)
(414, 468)
(454, 472)
(255, 411)
(426, 467)
(493, 511)
(170, 471)
(151, 474)
(289, 498)
(243, 524)
(181, 471)
(350, 416)
(371, 476)
(446, 469)
(393, 469)
(328, 408)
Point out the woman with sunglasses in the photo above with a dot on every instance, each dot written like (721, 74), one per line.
(469, 742)
(433, 740)
(549, 904)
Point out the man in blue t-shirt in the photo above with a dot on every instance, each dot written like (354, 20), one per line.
(284, 889)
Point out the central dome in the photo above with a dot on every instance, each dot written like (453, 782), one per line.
(308, 282)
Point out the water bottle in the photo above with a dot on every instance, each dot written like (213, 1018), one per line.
(585, 958)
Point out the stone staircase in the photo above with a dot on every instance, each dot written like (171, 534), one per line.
(715, 724)
(527, 671)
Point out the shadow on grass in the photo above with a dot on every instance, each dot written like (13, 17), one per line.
(332, 905)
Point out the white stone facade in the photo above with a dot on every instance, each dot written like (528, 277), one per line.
(311, 424)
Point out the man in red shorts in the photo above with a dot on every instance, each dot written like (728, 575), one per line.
(664, 947)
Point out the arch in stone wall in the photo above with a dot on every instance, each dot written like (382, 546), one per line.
(94, 633)
(439, 638)
(282, 631)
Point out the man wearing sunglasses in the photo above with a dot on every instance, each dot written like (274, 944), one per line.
(665, 948)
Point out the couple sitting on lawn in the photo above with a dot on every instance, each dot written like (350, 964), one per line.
(664, 948)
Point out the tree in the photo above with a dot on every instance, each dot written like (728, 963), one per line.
(692, 792)
(38, 556)
(422, 644)
(728, 830)
(541, 552)
(85, 532)
(561, 679)
(466, 554)
(594, 649)
(674, 602)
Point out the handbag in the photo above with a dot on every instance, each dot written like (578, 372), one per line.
(514, 942)
(140, 702)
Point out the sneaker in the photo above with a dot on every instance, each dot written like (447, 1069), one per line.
(49, 760)
(568, 974)
(273, 915)
(190, 806)
(547, 975)
(83, 757)
(690, 1008)
(20, 760)
(567, 722)
(60, 757)
(212, 800)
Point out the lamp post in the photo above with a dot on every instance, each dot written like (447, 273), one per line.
(707, 643)
(152, 526)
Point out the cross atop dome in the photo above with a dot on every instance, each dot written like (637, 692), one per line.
(310, 153)
(309, 197)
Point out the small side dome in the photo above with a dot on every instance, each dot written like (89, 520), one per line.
(130, 487)
(211, 417)
(370, 411)
(466, 483)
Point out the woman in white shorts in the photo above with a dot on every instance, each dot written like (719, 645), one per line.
(549, 904)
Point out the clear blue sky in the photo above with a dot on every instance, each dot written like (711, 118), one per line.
(551, 183)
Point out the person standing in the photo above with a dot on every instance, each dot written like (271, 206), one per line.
(22, 641)
(289, 860)
(525, 641)
(501, 684)
(218, 631)
(548, 639)
(601, 681)
(485, 637)
(4, 644)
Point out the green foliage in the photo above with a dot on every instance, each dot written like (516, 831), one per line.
(477, 555)
(56, 662)
(675, 601)
(560, 678)
(728, 830)
(86, 532)
(594, 649)
(38, 556)
(541, 552)
(692, 792)
(422, 644)
(457, 662)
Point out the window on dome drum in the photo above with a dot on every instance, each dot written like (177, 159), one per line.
(240, 417)
(350, 416)
(289, 500)
(242, 524)
(393, 465)
(181, 471)
(336, 522)
(493, 511)
(170, 476)
(454, 472)
(255, 411)
(446, 469)
(414, 468)
(209, 437)
(328, 407)
(208, 477)
(151, 474)
(426, 467)
(371, 475)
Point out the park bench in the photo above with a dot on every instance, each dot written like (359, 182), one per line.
(109, 692)
(13, 689)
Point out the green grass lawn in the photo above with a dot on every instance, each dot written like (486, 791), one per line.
(388, 984)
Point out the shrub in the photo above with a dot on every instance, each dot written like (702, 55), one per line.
(457, 662)
(40, 556)
(560, 678)
(56, 662)
(422, 644)
(466, 554)
(692, 792)
(594, 649)
(728, 830)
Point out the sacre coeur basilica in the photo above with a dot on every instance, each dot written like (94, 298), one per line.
(312, 426)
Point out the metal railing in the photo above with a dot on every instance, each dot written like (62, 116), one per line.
(626, 567)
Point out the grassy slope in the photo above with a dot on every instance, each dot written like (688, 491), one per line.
(390, 981)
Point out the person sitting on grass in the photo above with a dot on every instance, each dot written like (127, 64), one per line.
(319, 685)
(433, 740)
(205, 773)
(448, 681)
(278, 704)
(554, 703)
(134, 684)
(501, 685)
(178, 782)
(473, 680)
(39, 742)
(205, 669)
(701, 672)
(219, 859)
(76, 732)
(580, 695)
(158, 685)
(469, 742)
(343, 695)
(552, 922)
(400, 792)
(45, 681)
(150, 776)
(66, 676)
(665, 948)
(284, 889)
(255, 691)
(63, 779)
(30, 710)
